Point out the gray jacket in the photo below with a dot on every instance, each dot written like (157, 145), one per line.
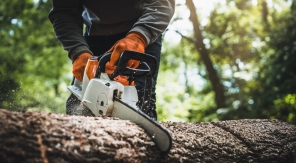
(107, 17)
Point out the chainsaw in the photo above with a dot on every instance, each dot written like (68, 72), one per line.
(103, 96)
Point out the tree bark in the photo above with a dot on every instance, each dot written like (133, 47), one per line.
(264, 12)
(44, 137)
(200, 46)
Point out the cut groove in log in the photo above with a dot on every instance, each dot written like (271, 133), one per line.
(44, 137)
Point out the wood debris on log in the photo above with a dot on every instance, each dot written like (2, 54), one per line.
(44, 137)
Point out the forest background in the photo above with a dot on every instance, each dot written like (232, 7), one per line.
(221, 59)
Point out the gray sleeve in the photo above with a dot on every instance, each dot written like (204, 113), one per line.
(155, 18)
(67, 22)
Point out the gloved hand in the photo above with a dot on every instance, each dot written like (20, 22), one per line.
(79, 65)
(133, 41)
(120, 78)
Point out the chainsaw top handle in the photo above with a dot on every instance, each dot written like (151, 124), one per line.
(147, 67)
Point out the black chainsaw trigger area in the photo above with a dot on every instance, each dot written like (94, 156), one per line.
(147, 67)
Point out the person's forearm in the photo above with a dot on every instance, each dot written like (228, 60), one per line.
(68, 26)
(155, 19)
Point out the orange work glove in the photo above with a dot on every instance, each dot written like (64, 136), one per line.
(133, 41)
(79, 65)
(120, 78)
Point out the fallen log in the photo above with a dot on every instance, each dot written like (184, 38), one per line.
(44, 137)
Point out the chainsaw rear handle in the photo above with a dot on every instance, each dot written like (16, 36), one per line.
(147, 67)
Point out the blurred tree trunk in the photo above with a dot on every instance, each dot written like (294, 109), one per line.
(293, 6)
(218, 88)
(264, 12)
(56, 89)
(44, 137)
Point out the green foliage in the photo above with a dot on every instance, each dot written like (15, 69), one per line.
(178, 98)
(9, 62)
(277, 75)
(252, 49)
(251, 46)
(33, 64)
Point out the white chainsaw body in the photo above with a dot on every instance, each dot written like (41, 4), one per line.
(97, 94)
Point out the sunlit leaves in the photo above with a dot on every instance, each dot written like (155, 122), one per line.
(33, 64)
(252, 48)
(247, 41)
